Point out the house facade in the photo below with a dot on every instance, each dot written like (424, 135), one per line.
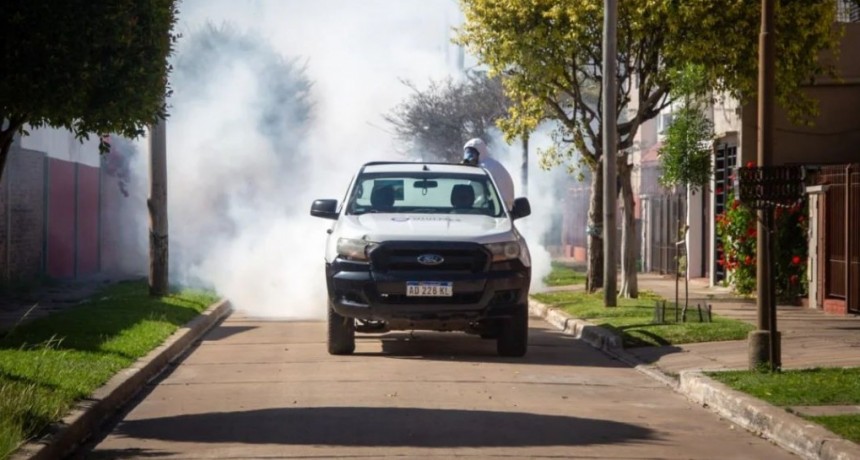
(826, 149)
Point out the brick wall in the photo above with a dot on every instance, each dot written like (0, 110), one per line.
(22, 215)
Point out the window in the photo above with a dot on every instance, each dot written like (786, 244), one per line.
(847, 11)
(424, 193)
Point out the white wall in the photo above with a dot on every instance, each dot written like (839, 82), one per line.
(61, 144)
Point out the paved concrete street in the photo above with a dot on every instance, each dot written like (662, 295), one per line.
(268, 389)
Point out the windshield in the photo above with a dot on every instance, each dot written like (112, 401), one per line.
(425, 193)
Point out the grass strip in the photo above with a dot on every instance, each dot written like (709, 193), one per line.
(846, 426)
(633, 320)
(564, 275)
(804, 387)
(51, 363)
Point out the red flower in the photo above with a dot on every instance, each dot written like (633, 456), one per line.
(751, 232)
(748, 260)
(795, 260)
(750, 164)
(793, 279)
(719, 191)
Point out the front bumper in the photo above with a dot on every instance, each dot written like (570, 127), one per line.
(376, 290)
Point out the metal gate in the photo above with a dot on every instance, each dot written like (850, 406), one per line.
(841, 236)
(725, 161)
(668, 212)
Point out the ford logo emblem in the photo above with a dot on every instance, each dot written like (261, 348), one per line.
(430, 259)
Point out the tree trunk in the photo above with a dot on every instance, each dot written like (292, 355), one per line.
(594, 275)
(629, 236)
(157, 204)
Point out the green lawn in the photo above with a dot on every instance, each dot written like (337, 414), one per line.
(808, 387)
(564, 275)
(49, 364)
(633, 319)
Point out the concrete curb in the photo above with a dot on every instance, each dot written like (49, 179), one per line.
(598, 337)
(787, 430)
(87, 416)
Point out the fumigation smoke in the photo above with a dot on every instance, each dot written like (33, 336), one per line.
(277, 103)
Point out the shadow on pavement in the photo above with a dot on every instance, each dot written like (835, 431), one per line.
(384, 426)
(224, 331)
(116, 454)
(546, 347)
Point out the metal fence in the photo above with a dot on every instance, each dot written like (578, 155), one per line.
(666, 222)
(841, 237)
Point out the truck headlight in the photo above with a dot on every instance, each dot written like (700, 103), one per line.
(504, 251)
(353, 249)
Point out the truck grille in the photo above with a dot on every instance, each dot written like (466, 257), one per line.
(455, 257)
(456, 299)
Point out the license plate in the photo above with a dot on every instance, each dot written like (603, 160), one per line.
(429, 289)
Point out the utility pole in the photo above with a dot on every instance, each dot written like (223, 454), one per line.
(157, 204)
(610, 144)
(764, 342)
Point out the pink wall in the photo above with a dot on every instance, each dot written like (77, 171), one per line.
(61, 219)
(72, 220)
(88, 220)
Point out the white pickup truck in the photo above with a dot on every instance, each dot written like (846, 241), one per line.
(426, 246)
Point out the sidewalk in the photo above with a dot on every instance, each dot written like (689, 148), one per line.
(809, 338)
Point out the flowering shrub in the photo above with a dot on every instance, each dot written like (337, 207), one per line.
(737, 229)
(792, 251)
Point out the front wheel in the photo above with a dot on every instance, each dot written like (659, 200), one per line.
(341, 333)
(514, 334)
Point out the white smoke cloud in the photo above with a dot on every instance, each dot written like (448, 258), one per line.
(239, 217)
(544, 195)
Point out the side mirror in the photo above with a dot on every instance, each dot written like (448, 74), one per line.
(522, 208)
(327, 209)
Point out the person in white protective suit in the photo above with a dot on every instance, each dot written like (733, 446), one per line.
(476, 153)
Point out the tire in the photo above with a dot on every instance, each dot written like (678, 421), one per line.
(341, 333)
(514, 334)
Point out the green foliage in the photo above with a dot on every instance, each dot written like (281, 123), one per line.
(437, 121)
(49, 364)
(90, 67)
(551, 51)
(722, 37)
(736, 226)
(685, 156)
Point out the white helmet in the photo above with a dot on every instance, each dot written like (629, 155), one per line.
(474, 150)
(478, 144)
